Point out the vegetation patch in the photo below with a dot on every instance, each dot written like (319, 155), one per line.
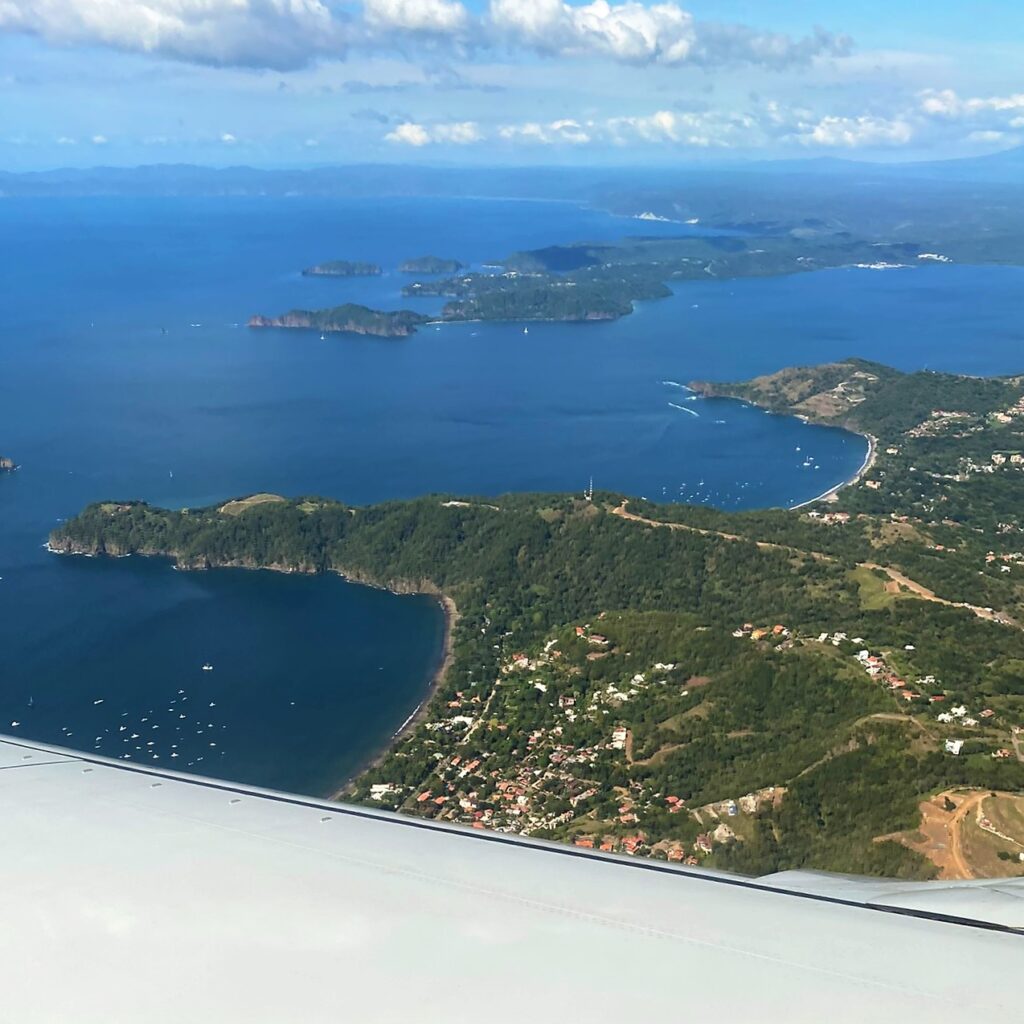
(240, 505)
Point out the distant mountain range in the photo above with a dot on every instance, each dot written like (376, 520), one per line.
(544, 182)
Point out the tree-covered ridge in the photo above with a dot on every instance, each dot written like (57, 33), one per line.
(349, 318)
(630, 685)
(689, 257)
(553, 557)
(430, 265)
(591, 295)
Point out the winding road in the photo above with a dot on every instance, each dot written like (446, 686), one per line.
(917, 589)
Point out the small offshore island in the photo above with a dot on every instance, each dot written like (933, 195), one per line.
(620, 672)
(342, 268)
(430, 265)
(350, 318)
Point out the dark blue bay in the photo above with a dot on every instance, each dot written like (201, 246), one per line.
(97, 402)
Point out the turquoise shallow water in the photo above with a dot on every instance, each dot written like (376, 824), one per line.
(96, 401)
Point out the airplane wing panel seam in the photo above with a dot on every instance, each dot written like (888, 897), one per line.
(517, 842)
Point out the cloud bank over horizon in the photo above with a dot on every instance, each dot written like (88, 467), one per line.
(273, 79)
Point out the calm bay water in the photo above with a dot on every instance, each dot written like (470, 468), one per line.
(108, 391)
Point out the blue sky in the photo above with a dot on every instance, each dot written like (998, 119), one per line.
(476, 82)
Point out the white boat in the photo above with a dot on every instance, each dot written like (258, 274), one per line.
(207, 667)
(526, 330)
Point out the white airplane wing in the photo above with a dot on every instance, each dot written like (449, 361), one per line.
(137, 895)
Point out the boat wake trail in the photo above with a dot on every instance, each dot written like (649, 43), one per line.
(682, 408)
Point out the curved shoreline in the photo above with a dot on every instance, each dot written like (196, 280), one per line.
(419, 713)
(400, 588)
(865, 468)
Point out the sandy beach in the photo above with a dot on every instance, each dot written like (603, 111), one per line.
(419, 714)
(865, 468)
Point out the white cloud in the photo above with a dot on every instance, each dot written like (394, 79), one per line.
(409, 134)
(711, 129)
(639, 33)
(940, 102)
(565, 130)
(65, 140)
(628, 31)
(947, 103)
(986, 136)
(657, 127)
(769, 122)
(228, 139)
(702, 129)
(739, 44)
(443, 17)
(462, 133)
(992, 119)
(571, 131)
(99, 140)
(265, 33)
(853, 132)
(287, 34)
(459, 133)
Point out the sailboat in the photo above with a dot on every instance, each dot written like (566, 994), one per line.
(526, 330)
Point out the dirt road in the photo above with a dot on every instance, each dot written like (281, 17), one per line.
(765, 545)
(958, 866)
(929, 595)
(894, 574)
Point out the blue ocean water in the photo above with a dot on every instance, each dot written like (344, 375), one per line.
(124, 373)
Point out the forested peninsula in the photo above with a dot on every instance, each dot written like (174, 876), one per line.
(757, 691)
(589, 281)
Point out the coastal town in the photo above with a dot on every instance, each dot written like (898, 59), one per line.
(555, 785)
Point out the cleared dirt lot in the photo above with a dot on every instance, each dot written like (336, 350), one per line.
(964, 840)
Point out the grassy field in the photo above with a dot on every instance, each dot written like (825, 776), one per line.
(1005, 813)
(237, 507)
(876, 592)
